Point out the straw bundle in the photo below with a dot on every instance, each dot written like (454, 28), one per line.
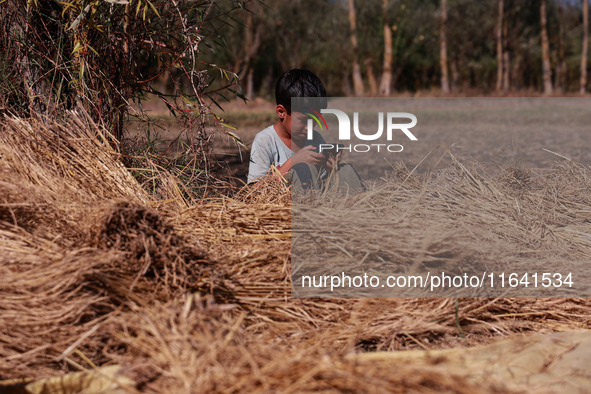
(73, 252)
(193, 296)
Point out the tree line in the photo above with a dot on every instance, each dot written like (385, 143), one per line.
(378, 47)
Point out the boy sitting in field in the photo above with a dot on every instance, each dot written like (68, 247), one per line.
(285, 145)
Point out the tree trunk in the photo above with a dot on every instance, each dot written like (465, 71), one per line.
(546, 72)
(443, 49)
(386, 82)
(347, 85)
(357, 80)
(583, 82)
(252, 42)
(373, 84)
(499, 86)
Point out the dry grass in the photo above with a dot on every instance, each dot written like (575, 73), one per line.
(195, 295)
(455, 220)
(78, 243)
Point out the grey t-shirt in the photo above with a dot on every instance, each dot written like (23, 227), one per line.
(268, 148)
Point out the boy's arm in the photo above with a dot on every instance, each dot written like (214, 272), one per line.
(283, 169)
(260, 159)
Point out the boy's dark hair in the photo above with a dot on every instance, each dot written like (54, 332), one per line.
(299, 83)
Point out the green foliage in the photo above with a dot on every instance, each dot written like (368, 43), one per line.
(100, 54)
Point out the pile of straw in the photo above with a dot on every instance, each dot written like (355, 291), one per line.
(79, 242)
(195, 295)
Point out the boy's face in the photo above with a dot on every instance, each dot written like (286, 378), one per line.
(299, 123)
(295, 124)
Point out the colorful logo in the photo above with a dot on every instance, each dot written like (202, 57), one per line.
(315, 115)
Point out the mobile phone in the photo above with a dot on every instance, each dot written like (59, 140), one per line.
(333, 151)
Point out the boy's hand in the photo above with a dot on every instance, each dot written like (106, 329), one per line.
(333, 161)
(307, 155)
